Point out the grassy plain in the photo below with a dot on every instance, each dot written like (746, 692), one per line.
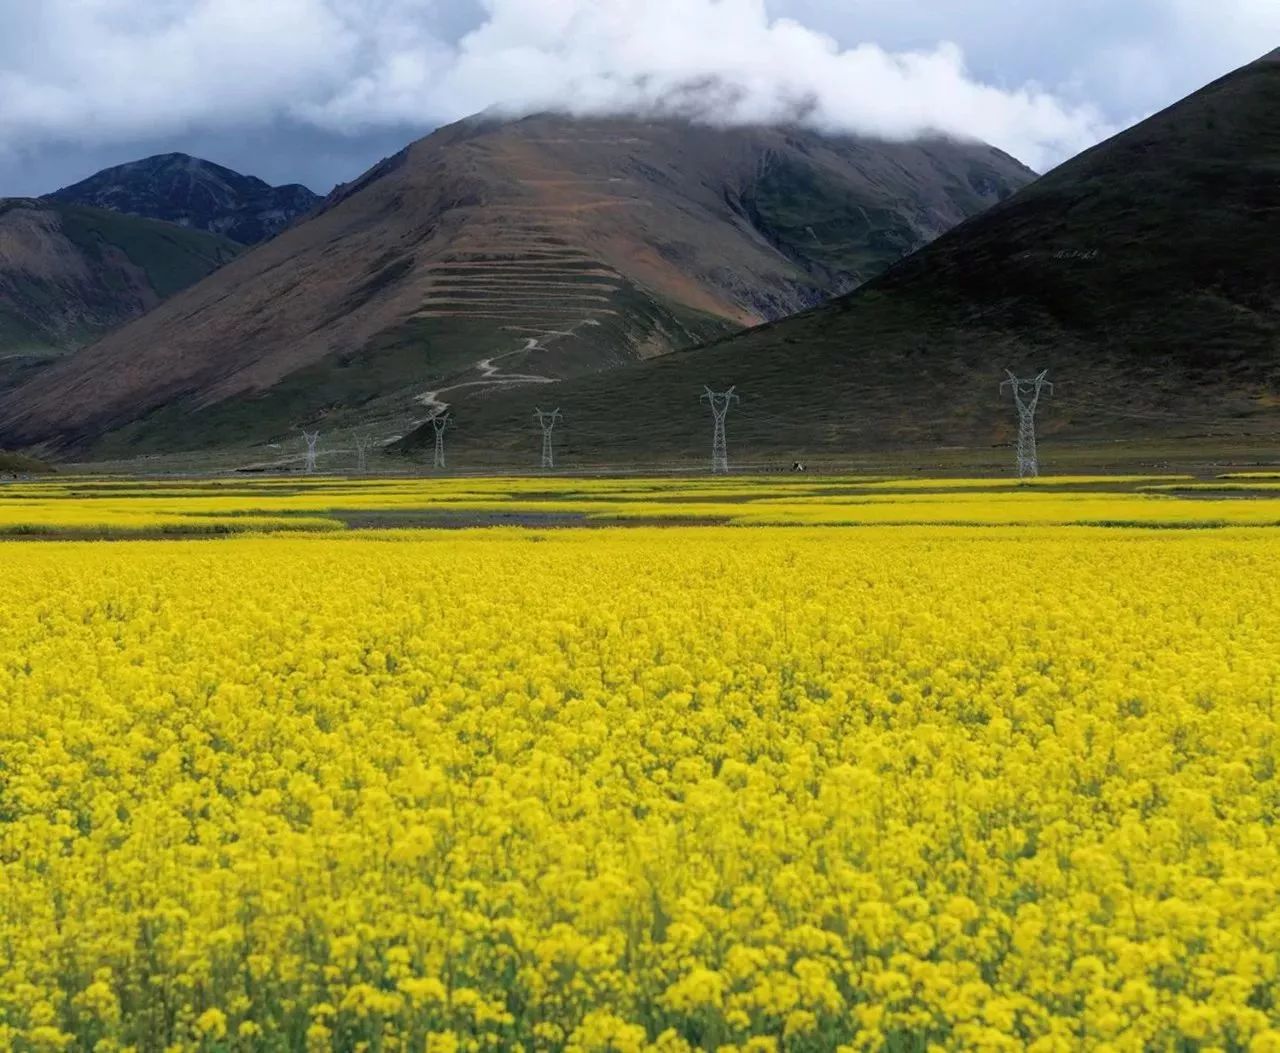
(102, 506)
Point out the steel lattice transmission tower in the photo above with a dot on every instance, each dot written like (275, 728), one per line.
(311, 438)
(439, 422)
(1026, 396)
(548, 423)
(364, 443)
(719, 401)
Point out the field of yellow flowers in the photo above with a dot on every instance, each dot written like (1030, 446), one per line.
(101, 507)
(686, 788)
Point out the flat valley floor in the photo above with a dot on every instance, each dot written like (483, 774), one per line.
(735, 763)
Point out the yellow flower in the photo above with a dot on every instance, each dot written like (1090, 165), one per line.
(46, 1037)
(318, 1037)
(799, 1022)
(423, 989)
(980, 787)
(212, 1023)
(603, 1032)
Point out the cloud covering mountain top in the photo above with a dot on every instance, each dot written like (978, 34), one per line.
(102, 71)
(119, 68)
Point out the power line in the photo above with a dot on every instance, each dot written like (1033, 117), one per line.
(439, 422)
(364, 443)
(719, 401)
(548, 423)
(311, 438)
(1026, 396)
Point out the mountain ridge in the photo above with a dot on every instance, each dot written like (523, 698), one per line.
(495, 253)
(1144, 274)
(193, 192)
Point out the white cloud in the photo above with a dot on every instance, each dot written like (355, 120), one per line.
(718, 60)
(1127, 58)
(98, 71)
(1182, 45)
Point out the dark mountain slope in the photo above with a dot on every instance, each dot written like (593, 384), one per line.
(1144, 274)
(194, 193)
(499, 253)
(69, 273)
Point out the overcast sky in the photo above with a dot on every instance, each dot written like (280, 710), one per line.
(315, 91)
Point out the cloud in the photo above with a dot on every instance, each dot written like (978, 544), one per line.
(1171, 47)
(1126, 58)
(727, 61)
(103, 71)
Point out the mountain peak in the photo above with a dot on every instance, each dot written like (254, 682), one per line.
(1143, 274)
(495, 253)
(171, 158)
(194, 192)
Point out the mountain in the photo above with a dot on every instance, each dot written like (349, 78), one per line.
(1143, 274)
(70, 273)
(500, 252)
(194, 193)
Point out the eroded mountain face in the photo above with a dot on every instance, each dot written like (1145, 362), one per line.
(498, 255)
(1143, 274)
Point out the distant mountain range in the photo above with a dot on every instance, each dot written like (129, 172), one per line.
(1143, 274)
(85, 259)
(194, 193)
(496, 254)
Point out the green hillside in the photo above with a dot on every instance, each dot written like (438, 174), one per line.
(1144, 275)
(69, 273)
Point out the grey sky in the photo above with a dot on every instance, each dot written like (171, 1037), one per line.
(315, 91)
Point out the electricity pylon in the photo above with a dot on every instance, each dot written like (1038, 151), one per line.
(548, 423)
(720, 401)
(311, 437)
(364, 443)
(439, 422)
(1026, 396)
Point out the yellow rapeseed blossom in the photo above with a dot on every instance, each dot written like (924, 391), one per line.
(695, 788)
(91, 506)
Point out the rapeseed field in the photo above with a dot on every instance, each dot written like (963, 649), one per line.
(684, 788)
(107, 507)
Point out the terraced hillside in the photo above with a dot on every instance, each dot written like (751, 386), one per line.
(1144, 275)
(498, 255)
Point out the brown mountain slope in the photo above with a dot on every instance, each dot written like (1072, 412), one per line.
(69, 273)
(1144, 275)
(490, 252)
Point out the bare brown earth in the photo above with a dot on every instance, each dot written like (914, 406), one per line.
(1144, 275)
(500, 255)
